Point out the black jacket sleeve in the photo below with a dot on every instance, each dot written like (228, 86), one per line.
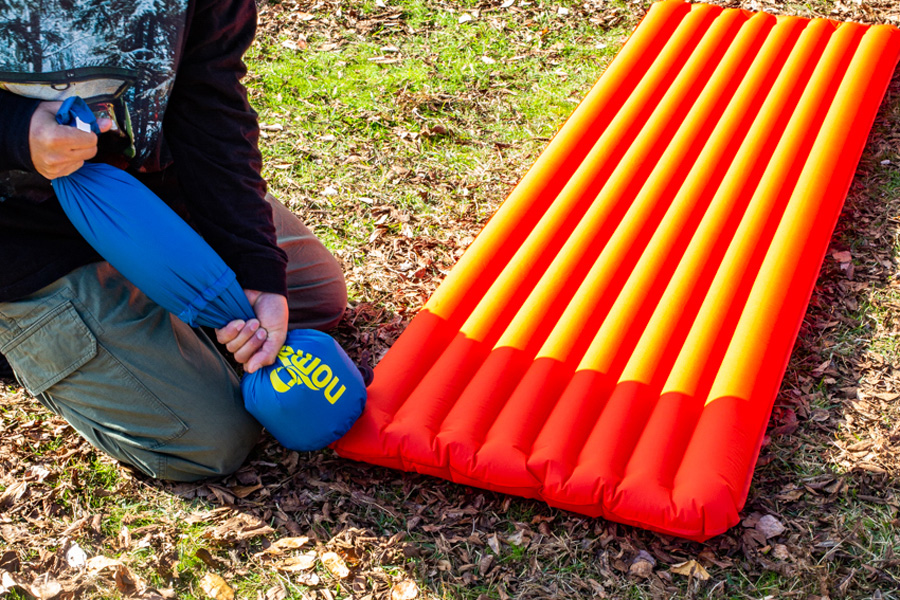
(212, 133)
(15, 120)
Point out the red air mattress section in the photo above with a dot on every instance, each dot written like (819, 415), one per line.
(613, 341)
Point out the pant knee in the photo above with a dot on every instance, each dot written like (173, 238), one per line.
(214, 448)
(216, 457)
(319, 306)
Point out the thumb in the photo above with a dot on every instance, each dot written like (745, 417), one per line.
(105, 124)
(265, 356)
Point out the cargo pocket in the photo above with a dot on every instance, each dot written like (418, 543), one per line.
(50, 349)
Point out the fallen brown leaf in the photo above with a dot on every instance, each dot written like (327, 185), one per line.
(75, 556)
(242, 491)
(335, 565)
(98, 563)
(781, 552)
(216, 588)
(769, 526)
(12, 494)
(124, 538)
(211, 561)
(240, 526)
(485, 564)
(842, 257)
(690, 568)
(276, 593)
(643, 564)
(289, 543)
(405, 590)
(7, 582)
(9, 561)
(304, 562)
(127, 582)
(45, 588)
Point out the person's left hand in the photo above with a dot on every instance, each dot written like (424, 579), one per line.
(256, 342)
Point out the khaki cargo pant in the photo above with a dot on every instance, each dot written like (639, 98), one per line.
(138, 383)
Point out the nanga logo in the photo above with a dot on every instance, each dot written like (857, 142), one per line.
(302, 367)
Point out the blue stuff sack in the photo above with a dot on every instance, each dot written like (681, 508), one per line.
(311, 396)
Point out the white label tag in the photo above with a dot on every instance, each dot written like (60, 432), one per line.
(81, 125)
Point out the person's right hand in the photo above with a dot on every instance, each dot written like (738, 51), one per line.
(59, 150)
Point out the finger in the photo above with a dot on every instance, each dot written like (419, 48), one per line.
(229, 332)
(249, 350)
(62, 159)
(245, 335)
(54, 169)
(264, 357)
(75, 139)
(81, 153)
(69, 168)
(104, 124)
(63, 137)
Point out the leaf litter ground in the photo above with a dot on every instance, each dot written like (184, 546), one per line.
(401, 195)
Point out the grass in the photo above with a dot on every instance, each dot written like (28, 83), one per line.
(355, 117)
(395, 129)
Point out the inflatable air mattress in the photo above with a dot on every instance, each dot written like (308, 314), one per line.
(613, 341)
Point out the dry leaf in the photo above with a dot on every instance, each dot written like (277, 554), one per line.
(300, 44)
(242, 491)
(216, 588)
(206, 556)
(127, 582)
(289, 543)
(842, 257)
(124, 538)
(769, 526)
(75, 557)
(276, 593)
(335, 565)
(643, 564)
(405, 590)
(98, 563)
(307, 578)
(9, 561)
(517, 538)
(304, 562)
(12, 494)
(7, 583)
(690, 568)
(45, 588)
(240, 526)
(485, 564)
(781, 552)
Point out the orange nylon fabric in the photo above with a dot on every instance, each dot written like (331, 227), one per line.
(614, 339)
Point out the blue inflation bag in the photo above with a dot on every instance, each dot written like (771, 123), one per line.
(309, 398)
(145, 240)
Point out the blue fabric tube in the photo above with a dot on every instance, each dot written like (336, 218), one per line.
(146, 241)
(309, 398)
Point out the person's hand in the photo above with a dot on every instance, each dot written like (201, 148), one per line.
(59, 150)
(256, 342)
